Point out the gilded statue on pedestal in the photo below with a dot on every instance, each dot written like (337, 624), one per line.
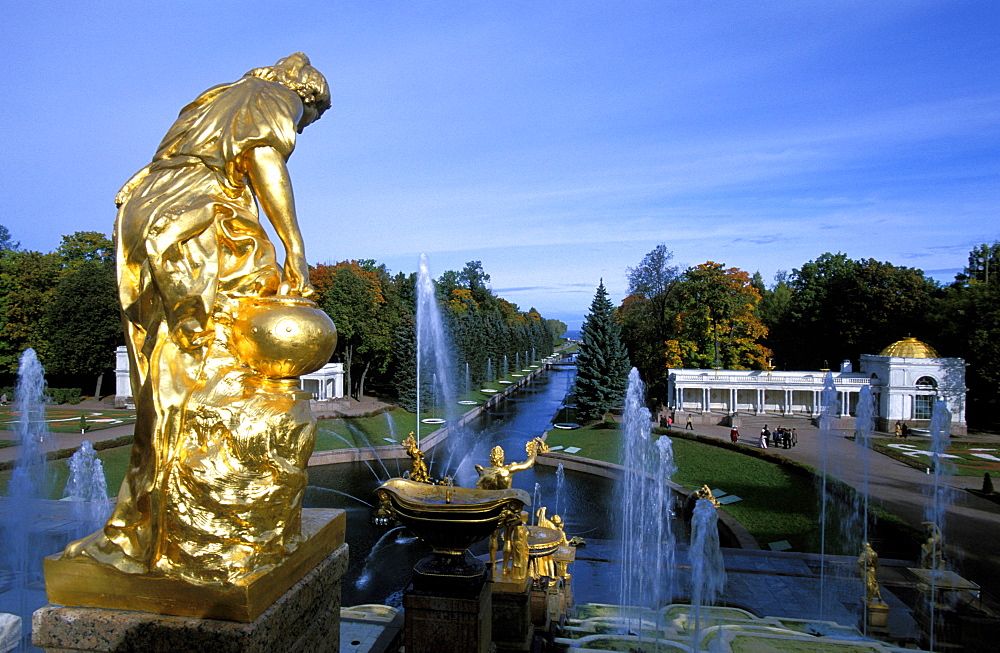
(420, 473)
(216, 332)
(868, 566)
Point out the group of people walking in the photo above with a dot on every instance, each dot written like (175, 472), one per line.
(779, 437)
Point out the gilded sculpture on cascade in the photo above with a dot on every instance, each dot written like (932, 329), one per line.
(498, 476)
(420, 473)
(216, 332)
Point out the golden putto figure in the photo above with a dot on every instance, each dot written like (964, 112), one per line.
(216, 332)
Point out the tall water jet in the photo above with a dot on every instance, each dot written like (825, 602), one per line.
(937, 506)
(708, 570)
(644, 507)
(489, 371)
(829, 407)
(29, 482)
(864, 428)
(433, 351)
(505, 365)
(87, 489)
(560, 491)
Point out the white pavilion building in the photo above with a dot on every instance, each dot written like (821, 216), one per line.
(906, 379)
(324, 384)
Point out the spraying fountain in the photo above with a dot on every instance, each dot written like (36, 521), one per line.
(644, 504)
(708, 571)
(87, 489)
(29, 483)
(434, 356)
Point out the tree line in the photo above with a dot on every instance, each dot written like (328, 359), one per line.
(64, 305)
(831, 309)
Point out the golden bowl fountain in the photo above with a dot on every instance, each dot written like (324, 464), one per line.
(450, 519)
(282, 337)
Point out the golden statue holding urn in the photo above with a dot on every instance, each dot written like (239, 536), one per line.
(217, 332)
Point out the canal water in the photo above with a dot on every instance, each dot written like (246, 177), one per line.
(381, 558)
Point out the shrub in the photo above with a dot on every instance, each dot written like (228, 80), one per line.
(64, 395)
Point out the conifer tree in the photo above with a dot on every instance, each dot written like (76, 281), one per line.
(602, 364)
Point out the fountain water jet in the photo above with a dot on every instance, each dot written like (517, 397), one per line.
(940, 499)
(28, 482)
(87, 488)
(433, 348)
(708, 570)
(643, 498)
(828, 411)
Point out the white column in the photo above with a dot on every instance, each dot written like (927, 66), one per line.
(732, 400)
(788, 402)
(760, 400)
(705, 399)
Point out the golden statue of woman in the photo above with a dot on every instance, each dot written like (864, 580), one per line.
(217, 471)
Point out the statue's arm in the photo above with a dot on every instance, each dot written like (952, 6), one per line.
(273, 187)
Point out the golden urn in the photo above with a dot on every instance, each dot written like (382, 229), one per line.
(284, 336)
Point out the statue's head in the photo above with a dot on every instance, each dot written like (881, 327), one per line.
(557, 520)
(296, 73)
(496, 456)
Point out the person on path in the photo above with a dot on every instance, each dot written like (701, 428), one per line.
(795, 437)
(904, 431)
(786, 438)
(899, 429)
(689, 425)
(670, 423)
(734, 434)
(763, 437)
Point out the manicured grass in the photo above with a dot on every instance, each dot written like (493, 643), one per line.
(961, 458)
(67, 420)
(778, 501)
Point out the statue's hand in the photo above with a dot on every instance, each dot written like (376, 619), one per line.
(296, 277)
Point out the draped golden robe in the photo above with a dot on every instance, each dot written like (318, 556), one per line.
(217, 471)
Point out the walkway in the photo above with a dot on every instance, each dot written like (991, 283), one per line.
(972, 524)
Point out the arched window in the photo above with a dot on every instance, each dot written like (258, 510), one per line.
(926, 383)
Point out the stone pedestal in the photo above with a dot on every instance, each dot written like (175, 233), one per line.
(512, 627)
(305, 618)
(83, 582)
(440, 622)
(878, 615)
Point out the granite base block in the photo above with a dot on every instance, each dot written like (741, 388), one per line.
(448, 624)
(305, 618)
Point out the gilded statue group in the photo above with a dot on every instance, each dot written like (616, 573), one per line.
(217, 471)
(511, 539)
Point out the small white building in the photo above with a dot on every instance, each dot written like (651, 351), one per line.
(324, 384)
(905, 379)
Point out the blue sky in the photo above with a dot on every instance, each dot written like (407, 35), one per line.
(557, 142)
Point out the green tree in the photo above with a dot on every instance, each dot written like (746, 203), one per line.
(646, 322)
(355, 296)
(7, 243)
(27, 281)
(841, 308)
(86, 246)
(82, 322)
(984, 265)
(717, 324)
(558, 329)
(602, 363)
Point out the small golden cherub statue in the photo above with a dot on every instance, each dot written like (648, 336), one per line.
(419, 473)
(868, 566)
(705, 492)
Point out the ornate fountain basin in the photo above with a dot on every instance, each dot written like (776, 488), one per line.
(450, 519)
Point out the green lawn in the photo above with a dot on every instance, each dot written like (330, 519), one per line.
(778, 502)
(61, 419)
(961, 458)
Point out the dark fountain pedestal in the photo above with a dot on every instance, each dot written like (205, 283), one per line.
(295, 607)
(448, 607)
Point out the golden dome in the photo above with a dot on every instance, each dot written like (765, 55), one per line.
(910, 348)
